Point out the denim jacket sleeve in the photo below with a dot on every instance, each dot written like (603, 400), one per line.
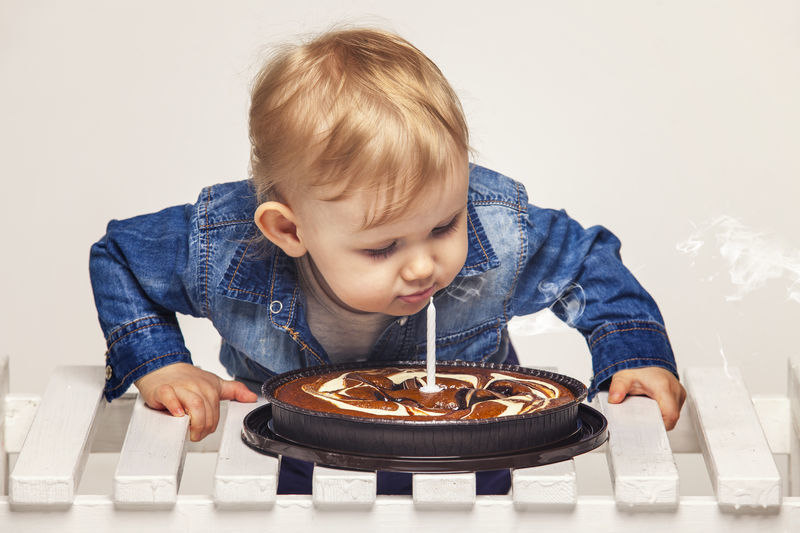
(142, 273)
(579, 274)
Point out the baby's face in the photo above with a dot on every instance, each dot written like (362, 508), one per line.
(392, 268)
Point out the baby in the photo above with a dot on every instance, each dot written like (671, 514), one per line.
(361, 206)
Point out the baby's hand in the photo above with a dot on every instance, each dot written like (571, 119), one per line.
(183, 388)
(653, 381)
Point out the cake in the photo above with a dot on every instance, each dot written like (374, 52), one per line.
(393, 392)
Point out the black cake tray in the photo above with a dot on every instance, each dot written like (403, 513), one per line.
(592, 432)
(362, 436)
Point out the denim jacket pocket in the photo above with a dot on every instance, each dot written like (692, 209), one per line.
(478, 343)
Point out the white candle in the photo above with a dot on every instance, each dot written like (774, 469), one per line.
(430, 384)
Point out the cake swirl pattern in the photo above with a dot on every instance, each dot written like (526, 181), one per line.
(393, 392)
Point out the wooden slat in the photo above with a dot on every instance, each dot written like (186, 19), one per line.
(682, 438)
(243, 478)
(3, 447)
(794, 436)
(444, 490)
(545, 487)
(151, 462)
(336, 488)
(51, 462)
(640, 460)
(773, 415)
(740, 463)
(491, 514)
(794, 468)
(20, 410)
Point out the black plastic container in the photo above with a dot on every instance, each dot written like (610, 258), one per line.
(424, 438)
(593, 432)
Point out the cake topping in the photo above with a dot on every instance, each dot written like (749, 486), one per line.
(391, 392)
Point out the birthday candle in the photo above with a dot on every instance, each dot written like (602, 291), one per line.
(430, 384)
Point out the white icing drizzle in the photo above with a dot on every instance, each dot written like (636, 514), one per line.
(422, 375)
(499, 377)
(336, 392)
(333, 384)
(398, 408)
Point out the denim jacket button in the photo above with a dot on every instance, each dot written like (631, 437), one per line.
(402, 320)
(275, 307)
(109, 372)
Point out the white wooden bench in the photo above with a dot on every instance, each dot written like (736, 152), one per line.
(739, 438)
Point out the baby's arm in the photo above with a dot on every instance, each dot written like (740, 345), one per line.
(653, 381)
(595, 293)
(182, 388)
(143, 271)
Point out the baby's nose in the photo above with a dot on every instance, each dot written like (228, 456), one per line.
(420, 266)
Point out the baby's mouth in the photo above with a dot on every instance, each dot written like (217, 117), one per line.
(418, 296)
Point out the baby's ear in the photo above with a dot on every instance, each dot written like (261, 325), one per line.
(278, 223)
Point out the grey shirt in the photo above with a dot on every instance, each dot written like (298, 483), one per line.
(346, 335)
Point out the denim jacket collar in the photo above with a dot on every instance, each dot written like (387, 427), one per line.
(245, 276)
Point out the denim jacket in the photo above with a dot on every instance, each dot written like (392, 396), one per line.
(207, 260)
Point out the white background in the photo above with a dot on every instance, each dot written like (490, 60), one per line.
(652, 118)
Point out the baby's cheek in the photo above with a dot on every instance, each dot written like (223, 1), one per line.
(365, 290)
(454, 254)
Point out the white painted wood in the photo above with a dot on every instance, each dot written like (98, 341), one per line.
(114, 419)
(640, 460)
(20, 410)
(446, 499)
(682, 438)
(335, 488)
(52, 458)
(794, 467)
(794, 408)
(740, 463)
(774, 417)
(444, 490)
(243, 477)
(545, 487)
(151, 462)
(773, 414)
(4, 380)
(390, 514)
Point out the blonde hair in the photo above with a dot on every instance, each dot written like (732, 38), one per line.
(354, 109)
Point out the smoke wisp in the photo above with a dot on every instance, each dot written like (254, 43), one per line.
(752, 258)
(565, 302)
(464, 289)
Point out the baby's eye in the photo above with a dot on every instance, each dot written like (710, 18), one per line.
(447, 228)
(381, 253)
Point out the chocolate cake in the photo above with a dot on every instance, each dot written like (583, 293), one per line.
(394, 392)
(378, 409)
